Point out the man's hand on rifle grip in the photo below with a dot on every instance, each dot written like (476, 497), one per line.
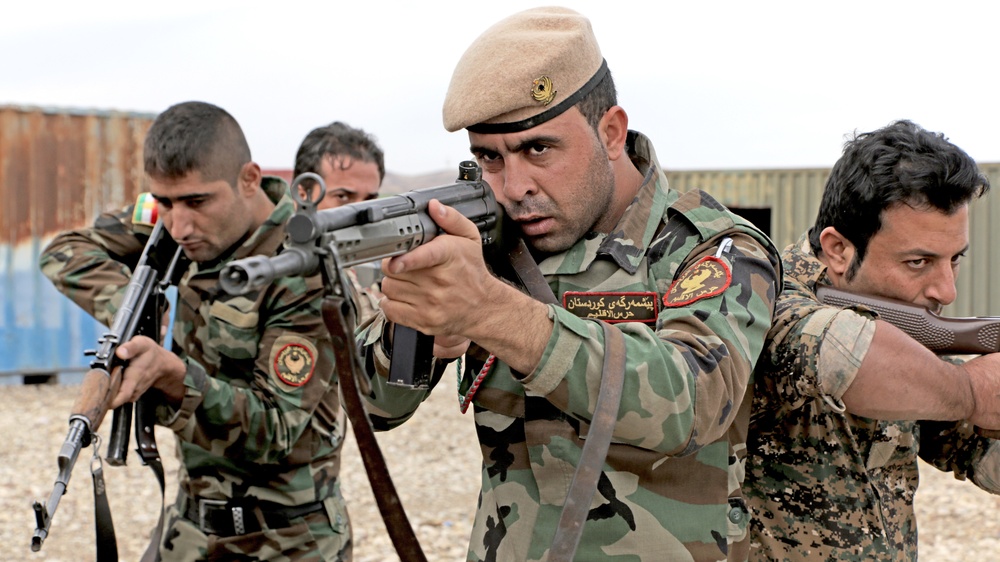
(149, 366)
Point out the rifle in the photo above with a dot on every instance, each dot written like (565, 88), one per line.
(140, 314)
(366, 232)
(940, 334)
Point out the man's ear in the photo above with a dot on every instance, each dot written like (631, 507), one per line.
(838, 251)
(250, 178)
(613, 131)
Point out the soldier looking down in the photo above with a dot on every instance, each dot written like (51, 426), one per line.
(248, 389)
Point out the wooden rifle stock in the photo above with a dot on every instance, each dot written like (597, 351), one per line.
(942, 335)
(140, 313)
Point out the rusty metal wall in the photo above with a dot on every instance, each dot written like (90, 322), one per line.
(793, 197)
(58, 169)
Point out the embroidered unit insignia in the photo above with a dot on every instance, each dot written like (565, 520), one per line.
(709, 277)
(294, 364)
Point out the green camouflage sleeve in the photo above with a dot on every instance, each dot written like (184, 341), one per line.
(388, 406)
(93, 266)
(259, 417)
(685, 380)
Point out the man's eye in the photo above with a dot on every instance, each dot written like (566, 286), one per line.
(917, 263)
(537, 148)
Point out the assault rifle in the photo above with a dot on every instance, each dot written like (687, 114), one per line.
(140, 313)
(940, 334)
(360, 233)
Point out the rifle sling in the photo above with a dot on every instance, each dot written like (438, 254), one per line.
(348, 369)
(145, 439)
(104, 528)
(107, 547)
(595, 449)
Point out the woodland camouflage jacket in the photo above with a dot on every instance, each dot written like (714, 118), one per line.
(261, 413)
(694, 312)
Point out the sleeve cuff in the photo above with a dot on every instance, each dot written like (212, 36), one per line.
(986, 472)
(177, 419)
(844, 346)
(569, 333)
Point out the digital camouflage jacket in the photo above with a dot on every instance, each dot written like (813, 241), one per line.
(824, 484)
(694, 311)
(261, 414)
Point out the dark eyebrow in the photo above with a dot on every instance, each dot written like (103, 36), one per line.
(521, 146)
(188, 197)
(929, 254)
(343, 190)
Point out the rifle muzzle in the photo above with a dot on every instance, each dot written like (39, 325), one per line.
(256, 272)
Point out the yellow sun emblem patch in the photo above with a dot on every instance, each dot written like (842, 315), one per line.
(708, 277)
(294, 364)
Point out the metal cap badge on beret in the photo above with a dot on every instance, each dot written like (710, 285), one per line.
(523, 71)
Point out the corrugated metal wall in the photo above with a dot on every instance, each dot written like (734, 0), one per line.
(58, 169)
(793, 196)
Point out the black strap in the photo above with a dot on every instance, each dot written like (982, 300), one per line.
(107, 546)
(595, 450)
(145, 421)
(220, 518)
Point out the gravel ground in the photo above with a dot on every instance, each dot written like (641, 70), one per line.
(438, 479)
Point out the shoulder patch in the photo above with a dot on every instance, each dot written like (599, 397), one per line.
(145, 210)
(708, 277)
(293, 362)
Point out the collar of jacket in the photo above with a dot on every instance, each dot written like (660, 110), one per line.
(627, 242)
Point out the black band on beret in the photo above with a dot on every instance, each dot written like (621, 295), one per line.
(551, 113)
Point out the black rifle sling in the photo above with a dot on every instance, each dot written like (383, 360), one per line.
(107, 546)
(595, 450)
(348, 369)
(145, 421)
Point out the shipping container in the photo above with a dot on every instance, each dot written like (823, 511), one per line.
(59, 168)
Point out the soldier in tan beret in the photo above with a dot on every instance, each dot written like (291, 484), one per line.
(687, 286)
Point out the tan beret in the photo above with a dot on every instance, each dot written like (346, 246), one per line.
(523, 71)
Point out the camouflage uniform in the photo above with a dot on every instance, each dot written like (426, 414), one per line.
(261, 414)
(824, 484)
(670, 489)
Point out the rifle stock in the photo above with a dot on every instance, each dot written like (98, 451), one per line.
(140, 313)
(942, 335)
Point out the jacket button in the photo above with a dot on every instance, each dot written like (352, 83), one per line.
(736, 515)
